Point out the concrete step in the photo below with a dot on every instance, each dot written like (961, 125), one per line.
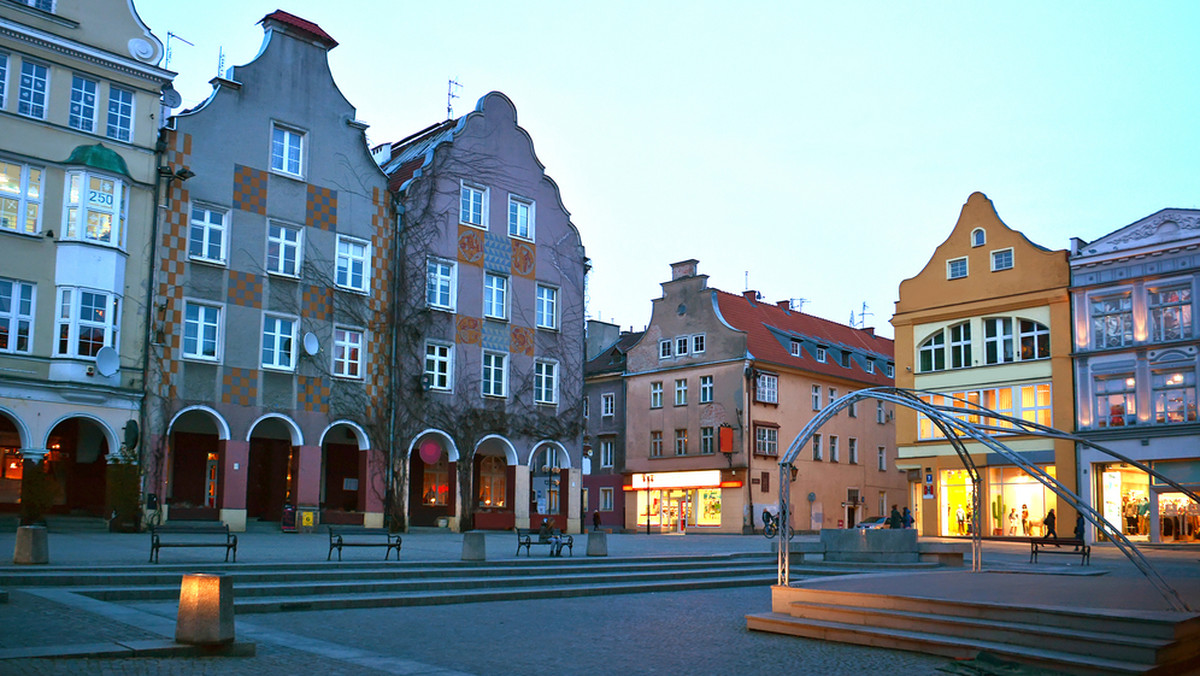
(1100, 643)
(949, 646)
(60, 523)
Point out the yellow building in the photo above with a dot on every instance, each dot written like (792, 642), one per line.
(987, 320)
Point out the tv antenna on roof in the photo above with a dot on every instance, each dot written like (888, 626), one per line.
(797, 304)
(452, 87)
(862, 317)
(170, 35)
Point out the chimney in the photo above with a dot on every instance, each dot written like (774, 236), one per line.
(784, 305)
(684, 269)
(750, 295)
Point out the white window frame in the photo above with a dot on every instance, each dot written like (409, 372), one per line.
(212, 224)
(69, 321)
(766, 388)
(932, 348)
(1178, 310)
(18, 322)
(207, 326)
(682, 344)
(999, 334)
(869, 366)
(606, 499)
(681, 388)
(852, 450)
(284, 244)
(880, 412)
(607, 452)
(3, 80)
(833, 448)
(959, 339)
(349, 352)
(952, 271)
(282, 345)
(881, 458)
(1034, 334)
(439, 284)
(546, 307)
(698, 341)
(515, 206)
(706, 389)
(608, 405)
(681, 441)
(656, 395)
(664, 348)
(494, 374)
(33, 89)
(545, 382)
(978, 237)
(794, 348)
(281, 159)
(821, 355)
(816, 448)
(84, 94)
(766, 440)
(27, 212)
(890, 371)
(353, 266)
(656, 443)
(467, 194)
(816, 397)
(998, 259)
(708, 440)
(495, 296)
(81, 203)
(439, 365)
(119, 125)
(833, 395)
(1117, 323)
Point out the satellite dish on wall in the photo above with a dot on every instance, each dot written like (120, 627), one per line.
(170, 97)
(311, 346)
(107, 361)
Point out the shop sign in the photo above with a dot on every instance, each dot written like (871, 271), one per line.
(664, 480)
(928, 490)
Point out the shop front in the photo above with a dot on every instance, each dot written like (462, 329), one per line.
(1146, 508)
(1014, 503)
(680, 501)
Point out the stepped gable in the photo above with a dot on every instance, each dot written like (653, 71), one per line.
(770, 328)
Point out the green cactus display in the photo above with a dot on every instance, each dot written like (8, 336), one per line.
(998, 512)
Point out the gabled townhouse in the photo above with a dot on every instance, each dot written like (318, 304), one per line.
(1137, 350)
(719, 383)
(270, 332)
(604, 414)
(490, 329)
(80, 96)
(987, 320)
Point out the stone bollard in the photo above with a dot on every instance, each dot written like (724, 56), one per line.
(597, 543)
(205, 609)
(474, 547)
(32, 546)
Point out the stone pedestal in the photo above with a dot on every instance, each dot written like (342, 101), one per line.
(205, 609)
(474, 547)
(597, 543)
(32, 546)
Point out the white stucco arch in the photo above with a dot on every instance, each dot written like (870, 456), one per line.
(360, 435)
(222, 425)
(566, 457)
(510, 452)
(109, 435)
(451, 450)
(293, 428)
(23, 435)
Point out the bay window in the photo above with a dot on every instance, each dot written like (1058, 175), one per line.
(16, 316)
(86, 321)
(95, 208)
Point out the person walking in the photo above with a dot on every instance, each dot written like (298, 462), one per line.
(907, 518)
(1049, 522)
(894, 519)
(1078, 528)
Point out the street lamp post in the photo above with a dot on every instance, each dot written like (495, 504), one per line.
(649, 479)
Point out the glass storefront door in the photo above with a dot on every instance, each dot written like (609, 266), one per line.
(957, 501)
(1014, 493)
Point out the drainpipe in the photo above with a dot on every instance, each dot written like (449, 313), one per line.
(389, 492)
(748, 437)
(160, 171)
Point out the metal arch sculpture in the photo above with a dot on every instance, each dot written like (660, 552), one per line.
(954, 421)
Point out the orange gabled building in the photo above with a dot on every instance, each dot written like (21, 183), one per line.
(987, 320)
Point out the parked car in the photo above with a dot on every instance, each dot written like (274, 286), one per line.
(873, 522)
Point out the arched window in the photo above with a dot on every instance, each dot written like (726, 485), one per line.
(1035, 340)
(978, 237)
(932, 355)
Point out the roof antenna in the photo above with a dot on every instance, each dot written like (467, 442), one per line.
(797, 304)
(170, 36)
(452, 87)
(221, 62)
(862, 317)
(747, 286)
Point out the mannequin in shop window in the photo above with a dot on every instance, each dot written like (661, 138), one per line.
(1012, 521)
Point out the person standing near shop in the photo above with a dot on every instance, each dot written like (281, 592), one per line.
(1025, 520)
(1078, 528)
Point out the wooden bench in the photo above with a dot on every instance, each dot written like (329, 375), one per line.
(195, 534)
(529, 537)
(363, 537)
(1058, 546)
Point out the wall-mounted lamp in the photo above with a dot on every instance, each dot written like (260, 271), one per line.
(181, 174)
(50, 234)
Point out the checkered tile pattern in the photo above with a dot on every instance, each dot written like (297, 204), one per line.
(167, 316)
(381, 248)
(312, 394)
(469, 331)
(470, 245)
(250, 189)
(524, 259)
(240, 387)
(317, 303)
(245, 289)
(322, 208)
(497, 252)
(495, 336)
(521, 341)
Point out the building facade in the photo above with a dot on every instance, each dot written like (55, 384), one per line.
(270, 336)
(490, 343)
(1136, 358)
(79, 116)
(604, 412)
(986, 321)
(719, 383)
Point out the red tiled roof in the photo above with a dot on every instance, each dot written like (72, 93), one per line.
(304, 25)
(770, 329)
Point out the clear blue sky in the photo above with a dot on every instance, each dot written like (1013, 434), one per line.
(825, 148)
